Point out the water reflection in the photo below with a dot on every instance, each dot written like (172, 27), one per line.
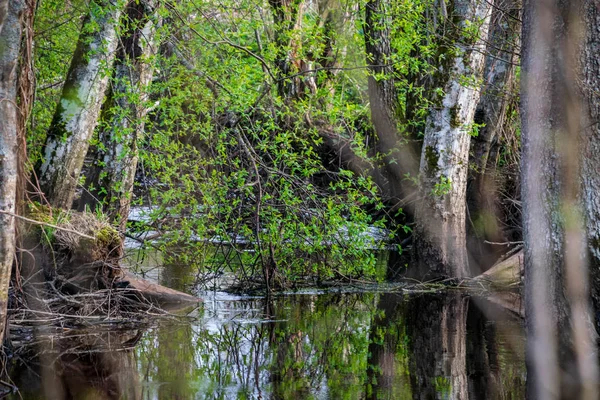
(78, 364)
(336, 346)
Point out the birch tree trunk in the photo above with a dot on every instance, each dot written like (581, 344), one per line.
(112, 176)
(10, 43)
(440, 247)
(77, 113)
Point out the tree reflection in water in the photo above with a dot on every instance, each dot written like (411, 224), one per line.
(337, 346)
(79, 364)
(356, 346)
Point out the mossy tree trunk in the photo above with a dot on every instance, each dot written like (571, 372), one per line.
(79, 107)
(287, 18)
(113, 173)
(10, 43)
(440, 244)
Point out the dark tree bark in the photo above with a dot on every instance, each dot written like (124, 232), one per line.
(11, 27)
(590, 154)
(398, 152)
(499, 86)
(79, 107)
(498, 82)
(560, 335)
(287, 18)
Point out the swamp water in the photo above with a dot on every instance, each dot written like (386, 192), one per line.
(344, 345)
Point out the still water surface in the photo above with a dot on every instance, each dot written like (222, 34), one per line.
(326, 346)
(352, 345)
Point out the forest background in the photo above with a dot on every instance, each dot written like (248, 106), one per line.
(284, 142)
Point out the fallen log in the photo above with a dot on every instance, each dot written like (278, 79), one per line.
(503, 275)
(163, 297)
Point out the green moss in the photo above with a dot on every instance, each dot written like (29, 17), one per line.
(44, 213)
(40, 212)
(455, 121)
(432, 157)
(107, 236)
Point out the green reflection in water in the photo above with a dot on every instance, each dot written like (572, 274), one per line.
(337, 346)
(327, 346)
(324, 346)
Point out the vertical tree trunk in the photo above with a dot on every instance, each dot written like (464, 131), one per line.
(559, 338)
(398, 154)
(10, 44)
(113, 173)
(79, 107)
(590, 174)
(498, 81)
(498, 86)
(440, 248)
(287, 16)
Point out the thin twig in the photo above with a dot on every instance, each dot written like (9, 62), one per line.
(503, 243)
(32, 221)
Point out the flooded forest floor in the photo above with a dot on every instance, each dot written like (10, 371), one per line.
(401, 341)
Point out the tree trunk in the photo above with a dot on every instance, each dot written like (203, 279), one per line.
(113, 174)
(590, 174)
(287, 18)
(10, 43)
(77, 113)
(498, 81)
(440, 247)
(498, 87)
(398, 154)
(559, 338)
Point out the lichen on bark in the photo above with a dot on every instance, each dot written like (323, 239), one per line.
(77, 112)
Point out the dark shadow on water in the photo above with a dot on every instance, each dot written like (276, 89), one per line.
(78, 365)
(329, 346)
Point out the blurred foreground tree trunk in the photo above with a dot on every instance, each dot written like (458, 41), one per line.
(560, 54)
(79, 107)
(113, 173)
(440, 247)
(399, 159)
(590, 153)
(11, 27)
